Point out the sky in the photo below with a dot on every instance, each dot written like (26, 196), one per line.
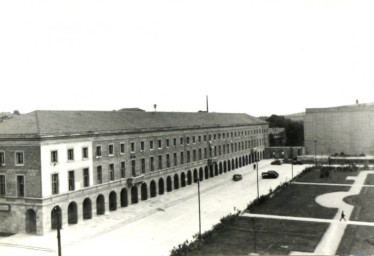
(255, 57)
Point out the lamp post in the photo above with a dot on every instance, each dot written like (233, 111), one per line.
(57, 214)
(198, 195)
(258, 190)
(291, 163)
(315, 152)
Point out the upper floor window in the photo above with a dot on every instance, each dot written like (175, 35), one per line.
(54, 156)
(85, 153)
(151, 144)
(70, 154)
(159, 144)
(181, 140)
(188, 140)
(175, 142)
(199, 138)
(193, 139)
(19, 158)
(54, 183)
(111, 171)
(98, 151)
(86, 177)
(142, 145)
(151, 163)
(2, 185)
(167, 143)
(71, 180)
(122, 148)
(2, 158)
(20, 185)
(111, 149)
(99, 177)
(123, 169)
(132, 147)
(142, 162)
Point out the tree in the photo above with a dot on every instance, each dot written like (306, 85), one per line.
(16, 112)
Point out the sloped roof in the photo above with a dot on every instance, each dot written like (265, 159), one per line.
(53, 123)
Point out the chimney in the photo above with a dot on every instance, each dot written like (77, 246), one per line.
(155, 106)
(356, 101)
(207, 105)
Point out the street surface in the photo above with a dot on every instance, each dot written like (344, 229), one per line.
(155, 226)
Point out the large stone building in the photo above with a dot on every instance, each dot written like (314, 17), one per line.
(348, 129)
(79, 164)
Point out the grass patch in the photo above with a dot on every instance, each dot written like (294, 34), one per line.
(337, 177)
(357, 240)
(269, 237)
(299, 200)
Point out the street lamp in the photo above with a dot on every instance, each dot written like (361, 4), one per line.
(291, 163)
(56, 212)
(315, 152)
(198, 195)
(258, 191)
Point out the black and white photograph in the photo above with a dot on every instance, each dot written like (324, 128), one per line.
(186, 127)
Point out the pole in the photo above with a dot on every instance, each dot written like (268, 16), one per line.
(58, 233)
(198, 189)
(315, 152)
(258, 191)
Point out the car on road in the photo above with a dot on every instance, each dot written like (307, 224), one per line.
(276, 162)
(237, 177)
(269, 175)
(297, 162)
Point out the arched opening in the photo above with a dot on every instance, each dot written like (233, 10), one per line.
(100, 205)
(201, 174)
(112, 201)
(206, 172)
(220, 168)
(87, 209)
(240, 162)
(211, 171)
(189, 178)
(56, 217)
(72, 213)
(168, 184)
(183, 179)
(236, 163)
(30, 221)
(176, 181)
(124, 200)
(161, 186)
(195, 176)
(224, 166)
(229, 165)
(152, 187)
(144, 192)
(134, 194)
(246, 160)
(215, 169)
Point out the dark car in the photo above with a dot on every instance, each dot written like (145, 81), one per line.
(237, 177)
(296, 162)
(276, 162)
(269, 175)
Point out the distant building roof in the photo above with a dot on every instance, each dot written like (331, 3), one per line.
(55, 123)
(276, 130)
(345, 108)
(131, 109)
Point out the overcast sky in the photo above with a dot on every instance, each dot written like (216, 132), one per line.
(256, 57)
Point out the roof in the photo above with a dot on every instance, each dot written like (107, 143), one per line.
(55, 123)
(345, 108)
(276, 130)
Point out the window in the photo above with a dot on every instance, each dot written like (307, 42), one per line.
(143, 165)
(133, 167)
(70, 154)
(215, 136)
(205, 153)
(223, 135)
(199, 139)
(204, 138)
(188, 156)
(54, 183)
(159, 162)
(2, 158)
(132, 147)
(182, 158)
(111, 149)
(193, 139)
(159, 144)
(152, 163)
(188, 140)
(122, 148)
(167, 160)
(175, 159)
(54, 156)
(167, 143)
(2, 185)
(85, 153)
(194, 155)
(98, 151)
(71, 181)
(142, 145)
(111, 171)
(219, 136)
(86, 177)
(123, 169)
(175, 142)
(99, 170)
(19, 158)
(151, 144)
(181, 140)
(200, 154)
(20, 185)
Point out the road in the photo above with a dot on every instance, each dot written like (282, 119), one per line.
(162, 222)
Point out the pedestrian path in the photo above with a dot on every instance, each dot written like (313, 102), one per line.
(333, 184)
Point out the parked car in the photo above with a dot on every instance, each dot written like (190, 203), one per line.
(297, 162)
(237, 177)
(276, 162)
(270, 175)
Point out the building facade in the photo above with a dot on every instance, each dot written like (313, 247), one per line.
(348, 129)
(71, 166)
